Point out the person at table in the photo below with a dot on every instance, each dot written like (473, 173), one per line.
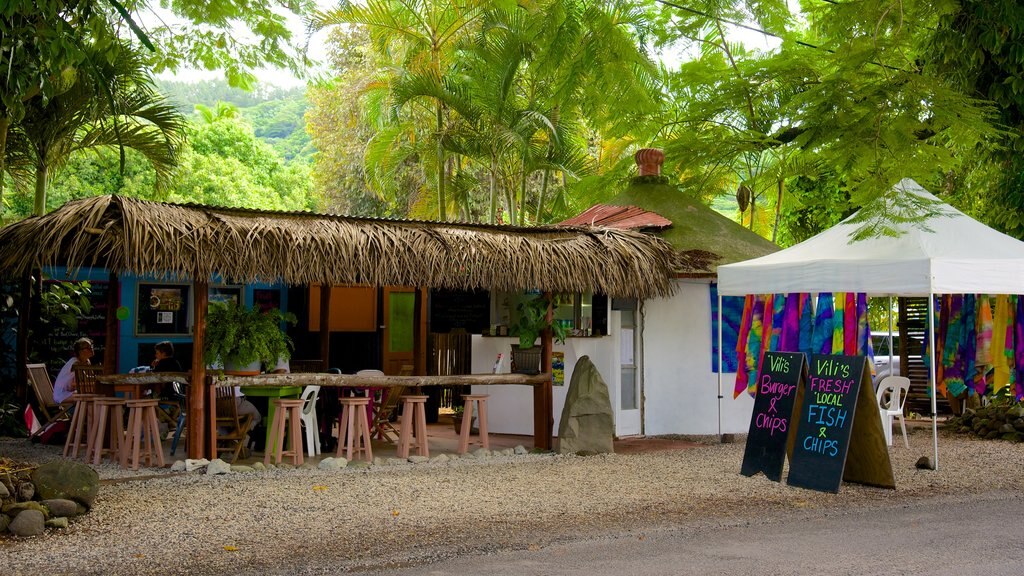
(64, 386)
(164, 360)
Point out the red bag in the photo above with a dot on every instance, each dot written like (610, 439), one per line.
(53, 433)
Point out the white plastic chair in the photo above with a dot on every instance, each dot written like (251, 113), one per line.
(310, 394)
(891, 395)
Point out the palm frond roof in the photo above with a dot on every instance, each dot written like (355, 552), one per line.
(188, 241)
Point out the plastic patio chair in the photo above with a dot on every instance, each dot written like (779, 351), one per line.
(309, 423)
(891, 395)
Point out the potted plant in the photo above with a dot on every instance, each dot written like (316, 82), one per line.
(457, 413)
(533, 319)
(240, 338)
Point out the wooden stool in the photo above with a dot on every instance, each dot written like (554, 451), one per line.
(354, 428)
(467, 421)
(109, 413)
(143, 435)
(287, 414)
(82, 427)
(414, 421)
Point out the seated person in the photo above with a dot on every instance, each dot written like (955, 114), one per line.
(165, 360)
(64, 386)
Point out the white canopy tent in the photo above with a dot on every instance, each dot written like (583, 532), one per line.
(950, 253)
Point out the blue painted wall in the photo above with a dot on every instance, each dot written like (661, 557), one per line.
(129, 342)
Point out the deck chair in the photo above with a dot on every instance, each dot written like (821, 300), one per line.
(42, 386)
(386, 408)
(891, 396)
(232, 430)
(383, 411)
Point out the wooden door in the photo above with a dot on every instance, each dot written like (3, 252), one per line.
(398, 348)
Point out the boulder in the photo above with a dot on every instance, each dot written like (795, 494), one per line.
(13, 510)
(67, 480)
(26, 491)
(61, 522)
(218, 466)
(332, 463)
(61, 507)
(587, 421)
(418, 459)
(4, 492)
(191, 464)
(520, 450)
(5, 521)
(178, 466)
(28, 523)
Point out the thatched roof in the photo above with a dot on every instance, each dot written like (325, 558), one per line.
(127, 235)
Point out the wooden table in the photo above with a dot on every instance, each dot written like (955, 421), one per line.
(271, 392)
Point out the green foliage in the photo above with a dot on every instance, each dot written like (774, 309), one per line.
(238, 335)
(533, 320)
(64, 302)
(12, 423)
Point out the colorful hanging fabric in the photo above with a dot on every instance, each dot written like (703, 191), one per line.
(778, 322)
(821, 336)
(983, 352)
(789, 339)
(940, 340)
(1001, 324)
(850, 321)
(1018, 322)
(838, 323)
(952, 360)
(864, 345)
(806, 324)
(755, 339)
(740, 385)
(969, 343)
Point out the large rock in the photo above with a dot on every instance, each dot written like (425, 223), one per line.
(13, 510)
(587, 422)
(61, 507)
(28, 523)
(67, 480)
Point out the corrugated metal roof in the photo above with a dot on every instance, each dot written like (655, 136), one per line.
(621, 217)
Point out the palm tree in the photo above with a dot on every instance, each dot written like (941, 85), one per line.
(115, 105)
(423, 34)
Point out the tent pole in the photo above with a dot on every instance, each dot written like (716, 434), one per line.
(721, 367)
(890, 339)
(931, 378)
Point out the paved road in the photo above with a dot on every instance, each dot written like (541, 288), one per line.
(942, 536)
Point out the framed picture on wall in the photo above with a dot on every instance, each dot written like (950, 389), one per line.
(225, 294)
(266, 299)
(162, 310)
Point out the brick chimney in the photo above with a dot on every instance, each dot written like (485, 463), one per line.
(649, 160)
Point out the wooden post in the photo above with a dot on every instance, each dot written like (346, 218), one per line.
(197, 408)
(543, 401)
(419, 338)
(110, 350)
(325, 325)
(21, 388)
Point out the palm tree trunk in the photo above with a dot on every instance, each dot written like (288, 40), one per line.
(522, 194)
(5, 123)
(441, 200)
(543, 193)
(778, 208)
(494, 188)
(41, 177)
(752, 204)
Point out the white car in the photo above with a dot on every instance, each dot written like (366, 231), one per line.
(881, 344)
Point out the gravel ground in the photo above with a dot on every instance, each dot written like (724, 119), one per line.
(318, 522)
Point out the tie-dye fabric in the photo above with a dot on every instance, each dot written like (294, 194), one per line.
(983, 352)
(1000, 363)
(952, 361)
(969, 343)
(806, 324)
(821, 337)
(851, 318)
(740, 385)
(1019, 348)
(754, 343)
(838, 323)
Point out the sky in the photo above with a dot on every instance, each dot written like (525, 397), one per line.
(317, 49)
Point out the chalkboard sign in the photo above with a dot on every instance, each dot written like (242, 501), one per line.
(56, 344)
(771, 422)
(828, 428)
(469, 310)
